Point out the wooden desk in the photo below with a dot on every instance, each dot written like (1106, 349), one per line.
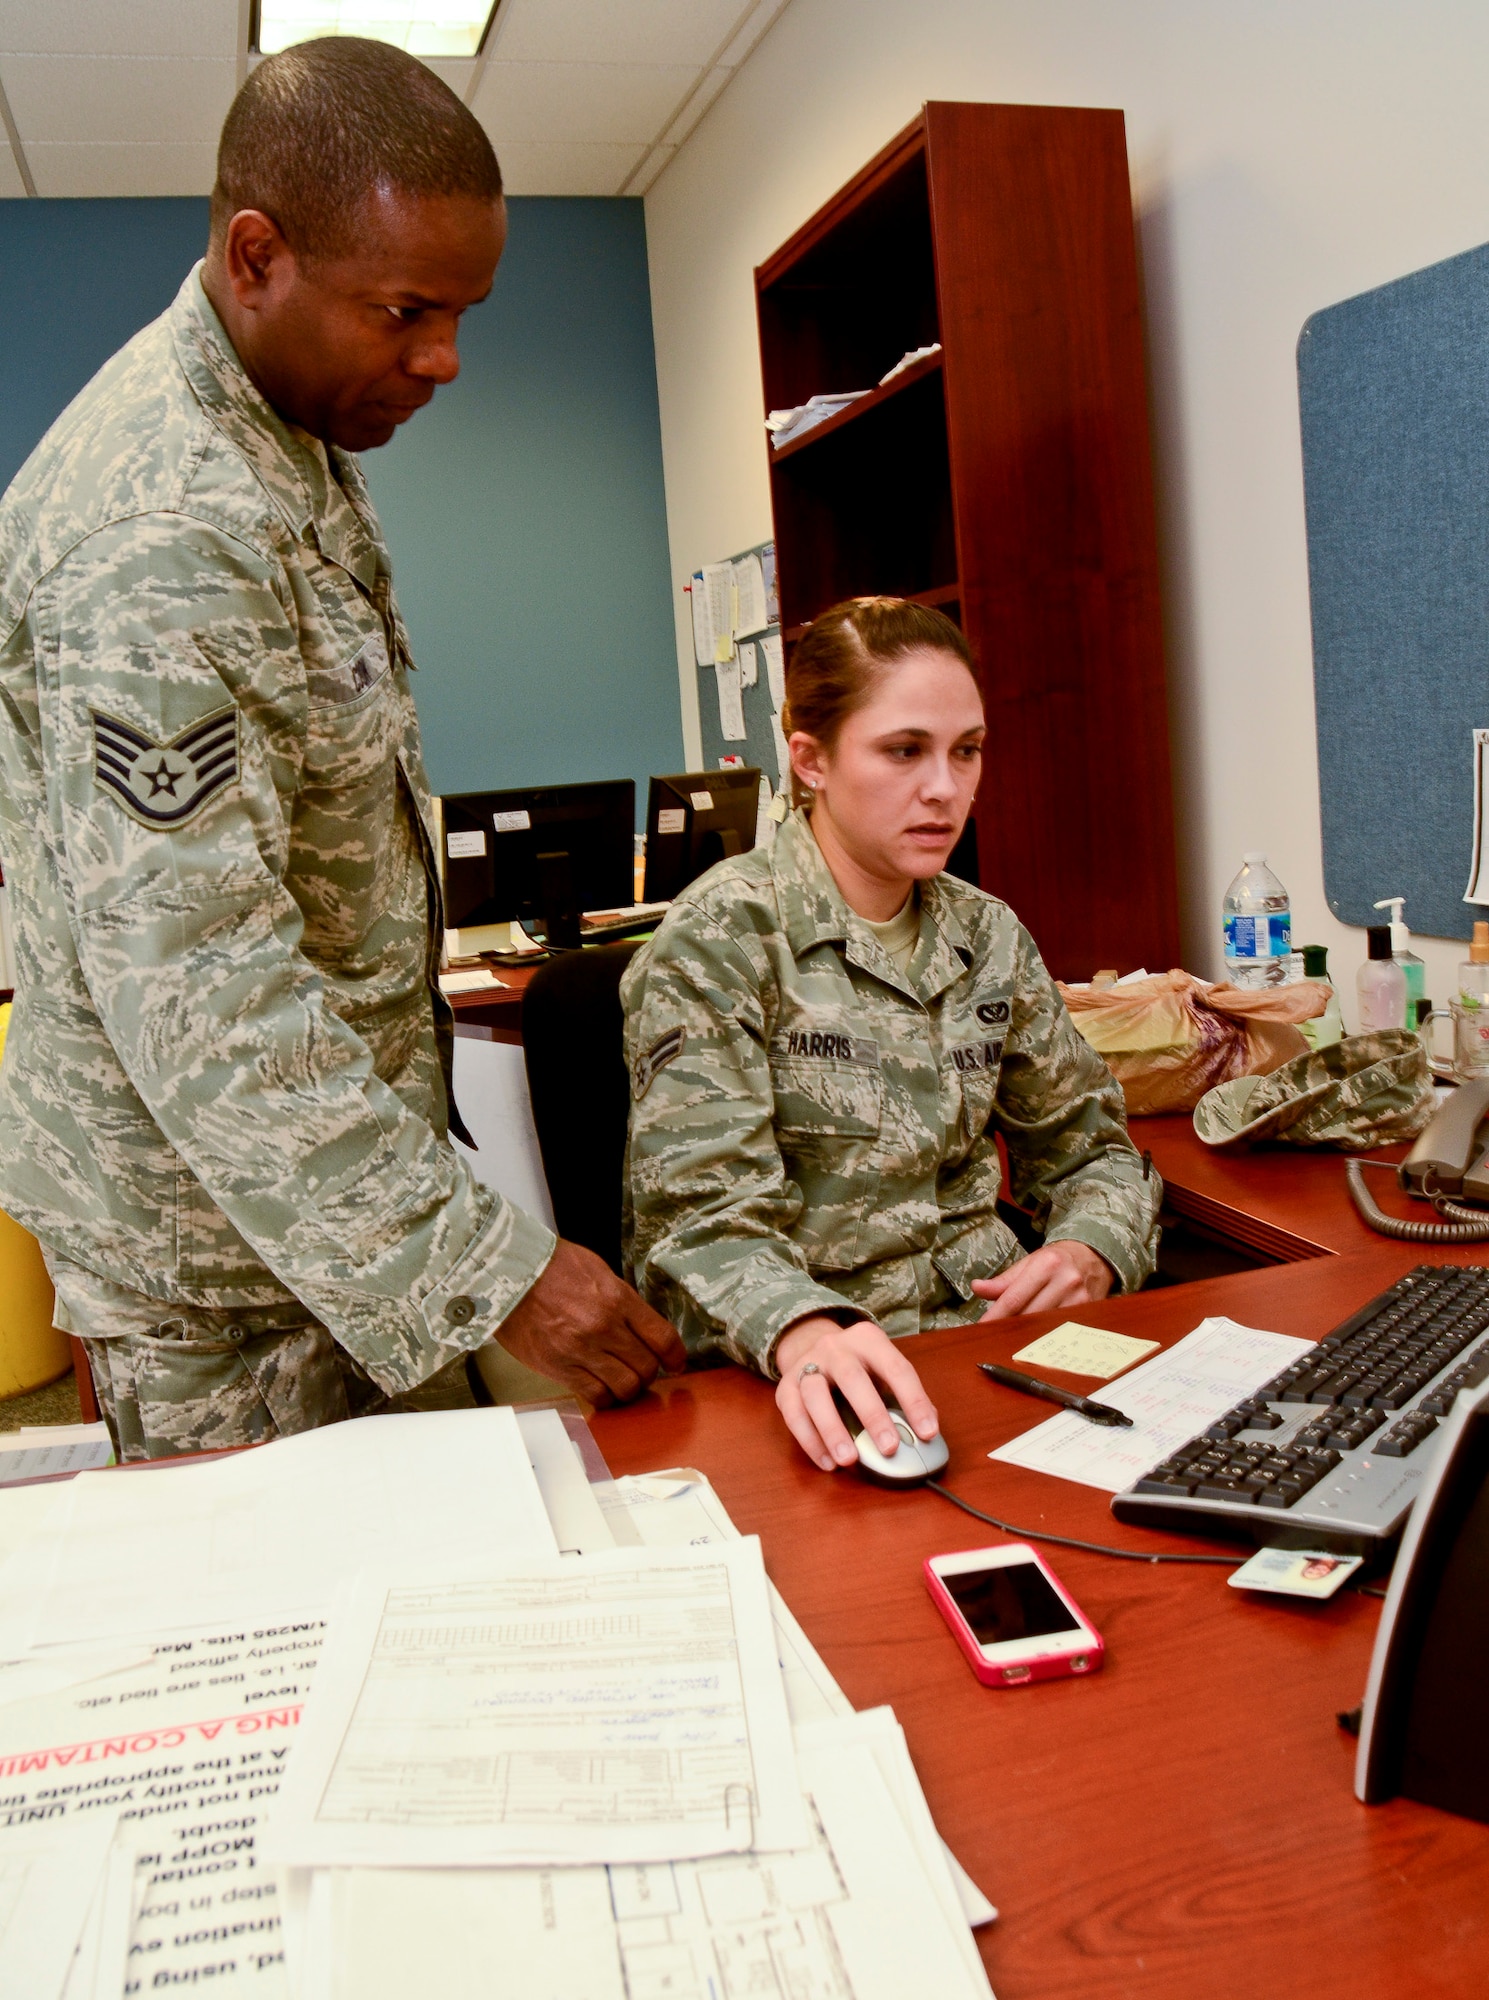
(1286, 1202)
(1180, 1825)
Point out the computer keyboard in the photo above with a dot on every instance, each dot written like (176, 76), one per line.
(1336, 1445)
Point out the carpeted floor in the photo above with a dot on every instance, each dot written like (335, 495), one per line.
(56, 1403)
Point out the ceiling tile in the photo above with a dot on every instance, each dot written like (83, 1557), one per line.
(111, 98)
(120, 27)
(86, 169)
(618, 31)
(612, 102)
(550, 167)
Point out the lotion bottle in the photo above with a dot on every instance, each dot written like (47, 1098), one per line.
(1380, 985)
(1405, 957)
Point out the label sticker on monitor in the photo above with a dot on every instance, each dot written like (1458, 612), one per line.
(462, 846)
(515, 822)
(672, 819)
(702, 801)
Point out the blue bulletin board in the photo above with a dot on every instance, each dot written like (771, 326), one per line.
(729, 601)
(1394, 397)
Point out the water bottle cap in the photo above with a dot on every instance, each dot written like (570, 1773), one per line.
(1254, 858)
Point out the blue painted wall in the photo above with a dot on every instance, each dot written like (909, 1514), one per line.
(524, 509)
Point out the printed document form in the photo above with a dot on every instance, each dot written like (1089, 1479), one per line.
(856, 1912)
(625, 1706)
(285, 1525)
(1170, 1400)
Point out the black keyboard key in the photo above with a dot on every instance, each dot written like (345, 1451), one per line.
(1220, 1488)
(1164, 1482)
(1281, 1493)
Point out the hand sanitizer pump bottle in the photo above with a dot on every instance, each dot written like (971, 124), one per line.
(1258, 926)
(1405, 957)
(1470, 1011)
(1380, 985)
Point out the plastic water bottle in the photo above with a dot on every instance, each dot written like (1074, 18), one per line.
(1258, 926)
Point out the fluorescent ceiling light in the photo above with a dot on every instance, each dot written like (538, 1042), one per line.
(423, 27)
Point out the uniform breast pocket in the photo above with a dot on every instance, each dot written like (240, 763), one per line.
(828, 1114)
(974, 1065)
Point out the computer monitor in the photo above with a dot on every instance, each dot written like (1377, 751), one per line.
(542, 855)
(694, 820)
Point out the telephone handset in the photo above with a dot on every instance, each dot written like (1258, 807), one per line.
(1448, 1166)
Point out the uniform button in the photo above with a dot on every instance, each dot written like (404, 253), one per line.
(461, 1310)
(233, 1331)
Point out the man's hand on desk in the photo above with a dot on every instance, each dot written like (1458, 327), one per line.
(1061, 1274)
(580, 1325)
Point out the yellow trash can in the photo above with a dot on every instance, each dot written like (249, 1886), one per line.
(32, 1351)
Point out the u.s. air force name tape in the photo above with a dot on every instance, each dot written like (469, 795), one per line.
(665, 1049)
(976, 1055)
(165, 784)
(827, 1045)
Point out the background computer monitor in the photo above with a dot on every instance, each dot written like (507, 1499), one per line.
(542, 855)
(694, 820)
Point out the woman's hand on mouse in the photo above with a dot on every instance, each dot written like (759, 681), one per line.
(1065, 1273)
(817, 1354)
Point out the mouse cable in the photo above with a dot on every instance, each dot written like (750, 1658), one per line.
(1068, 1541)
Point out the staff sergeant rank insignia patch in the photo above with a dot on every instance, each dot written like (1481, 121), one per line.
(665, 1049)
(165, 784)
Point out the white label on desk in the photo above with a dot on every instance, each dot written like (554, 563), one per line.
(702, 801)
(462, 846)
(513, 822)
(672, 819)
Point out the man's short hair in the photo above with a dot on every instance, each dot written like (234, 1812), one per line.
(319, 128)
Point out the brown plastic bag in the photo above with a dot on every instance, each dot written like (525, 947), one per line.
(1170, 1038)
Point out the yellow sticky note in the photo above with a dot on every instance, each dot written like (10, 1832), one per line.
(1085, 1350)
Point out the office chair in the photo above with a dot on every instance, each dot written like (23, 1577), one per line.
(581, 1095)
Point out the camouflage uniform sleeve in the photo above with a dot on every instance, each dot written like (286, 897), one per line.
(1060, 1111)
(188, 938)
(711, 1206)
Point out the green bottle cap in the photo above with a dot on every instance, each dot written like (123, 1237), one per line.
(1315, 961)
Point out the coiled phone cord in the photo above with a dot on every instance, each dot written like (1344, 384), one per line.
(1466, 1226)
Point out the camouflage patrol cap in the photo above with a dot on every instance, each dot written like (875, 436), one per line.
(1368, 1090)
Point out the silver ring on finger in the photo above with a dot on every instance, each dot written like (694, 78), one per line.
(807, 1368)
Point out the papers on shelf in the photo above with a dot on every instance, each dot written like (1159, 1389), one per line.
(785, 426)
(282, 1526)
(1085, 1350)
(624, 1706)
(43, 1451)
(908, 360)
(1170, 1400)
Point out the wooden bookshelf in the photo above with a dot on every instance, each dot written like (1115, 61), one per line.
(1006, 479)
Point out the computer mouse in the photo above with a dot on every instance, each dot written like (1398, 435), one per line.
(916, 1459)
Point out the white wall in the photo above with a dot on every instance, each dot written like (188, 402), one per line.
(1285, 154)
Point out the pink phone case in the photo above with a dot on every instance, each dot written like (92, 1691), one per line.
(1058, 1665)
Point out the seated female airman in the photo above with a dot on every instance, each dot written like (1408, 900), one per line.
(828, 1035)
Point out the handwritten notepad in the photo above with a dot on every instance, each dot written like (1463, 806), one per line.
(1085, 1350)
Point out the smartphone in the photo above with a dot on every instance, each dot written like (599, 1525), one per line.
(1011, 1616)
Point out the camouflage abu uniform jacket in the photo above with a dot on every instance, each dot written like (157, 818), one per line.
(224, 1082)
(808, 1127)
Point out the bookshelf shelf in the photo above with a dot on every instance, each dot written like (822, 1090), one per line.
(1005, 479)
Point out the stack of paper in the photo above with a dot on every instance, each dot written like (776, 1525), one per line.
(50, 1451)
(785, 426)
(338, 1718)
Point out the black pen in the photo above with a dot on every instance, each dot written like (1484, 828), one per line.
(1099, 1413)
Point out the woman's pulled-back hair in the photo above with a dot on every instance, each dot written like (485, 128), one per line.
(841, 657)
